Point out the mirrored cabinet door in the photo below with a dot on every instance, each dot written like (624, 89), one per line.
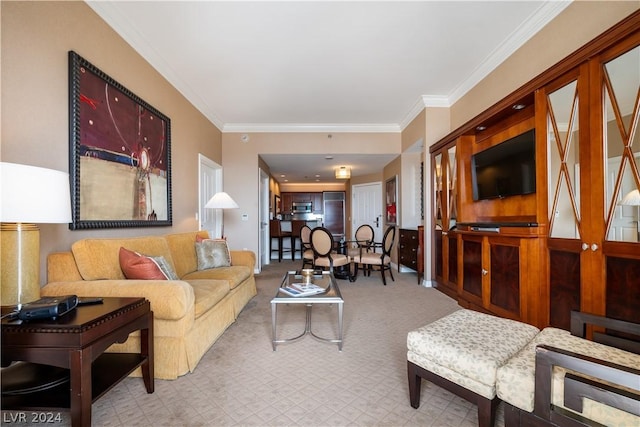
(621, 88)
(452, 185)
(563, 104)
(618, 295)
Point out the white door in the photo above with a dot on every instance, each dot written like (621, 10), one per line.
(210, 183)
(263, 229)
(366, 208)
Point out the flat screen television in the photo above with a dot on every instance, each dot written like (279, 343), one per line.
(506, 169)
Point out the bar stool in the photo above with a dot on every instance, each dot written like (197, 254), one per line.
(296, 228)
(275, 232)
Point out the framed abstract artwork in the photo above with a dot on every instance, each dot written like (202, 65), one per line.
(119, 153)
(391, 201)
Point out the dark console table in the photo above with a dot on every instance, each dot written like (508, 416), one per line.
(77, 341)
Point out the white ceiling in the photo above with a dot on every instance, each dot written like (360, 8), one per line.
(323, 66)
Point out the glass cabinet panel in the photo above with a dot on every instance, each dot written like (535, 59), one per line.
(563, 141)
(621, 88)
(452, 185)
(437, 185)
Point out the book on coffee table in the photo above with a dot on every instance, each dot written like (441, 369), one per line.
(302, 289)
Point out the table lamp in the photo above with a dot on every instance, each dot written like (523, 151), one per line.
(29, 195)
(632, 198)
(221, 200)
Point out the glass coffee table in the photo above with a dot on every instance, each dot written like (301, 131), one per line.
(332, 295)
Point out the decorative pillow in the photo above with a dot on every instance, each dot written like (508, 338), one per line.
(137, 266)
(212, 253)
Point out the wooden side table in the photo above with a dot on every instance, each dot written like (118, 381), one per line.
(77, 341)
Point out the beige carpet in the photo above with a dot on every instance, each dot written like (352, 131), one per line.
(242, 381)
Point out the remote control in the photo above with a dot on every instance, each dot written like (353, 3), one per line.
(89, 300)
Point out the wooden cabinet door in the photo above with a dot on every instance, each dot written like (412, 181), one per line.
(316, 199)
(287, 202)
(473, 270)
(593, 152)
(503, 273)
(445, 211)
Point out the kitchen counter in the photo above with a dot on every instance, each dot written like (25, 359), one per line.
(285, 224)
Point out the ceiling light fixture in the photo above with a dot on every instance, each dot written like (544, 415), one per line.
(343, 172)
(518, 106)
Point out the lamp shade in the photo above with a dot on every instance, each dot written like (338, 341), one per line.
(221, 200)
(30, 194)
(343, 172)
(632, 198)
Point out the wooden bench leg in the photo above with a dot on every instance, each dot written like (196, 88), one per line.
(487, 411)
(415, 383)
(486, 407)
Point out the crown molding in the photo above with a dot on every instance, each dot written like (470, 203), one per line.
(310, 128)
(125, 28)
(545, 14)
(128, 31)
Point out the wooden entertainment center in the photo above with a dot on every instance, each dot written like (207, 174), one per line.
(571, 245)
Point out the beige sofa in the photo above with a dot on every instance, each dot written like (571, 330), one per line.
(189, 314)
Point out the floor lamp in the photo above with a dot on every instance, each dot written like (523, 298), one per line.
(29, 195)
(221, 200)
(632, 198)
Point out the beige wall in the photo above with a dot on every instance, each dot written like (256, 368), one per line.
(36, 37)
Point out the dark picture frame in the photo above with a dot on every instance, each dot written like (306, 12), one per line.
(278, 205)
(391, 201)
(119, 154)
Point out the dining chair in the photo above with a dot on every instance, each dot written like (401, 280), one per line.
(363, 237)
(382, 260)
(323, 247)
(305, 246)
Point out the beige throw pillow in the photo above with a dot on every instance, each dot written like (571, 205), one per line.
(212, 253)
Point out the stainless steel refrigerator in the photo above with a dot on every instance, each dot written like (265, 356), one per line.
(334, 213)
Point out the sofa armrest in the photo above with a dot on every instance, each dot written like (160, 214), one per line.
(246, 258)
(598, 380)
(170, 299)
(617, 333)
(61, 267)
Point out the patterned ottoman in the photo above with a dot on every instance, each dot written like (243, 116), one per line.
(462, 352)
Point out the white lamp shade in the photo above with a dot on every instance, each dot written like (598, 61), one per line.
(30, 194)
(632, 198)
(221, 200)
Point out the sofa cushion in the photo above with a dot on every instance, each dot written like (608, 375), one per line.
(183, 250)
(471, 343)
(516, 379)
(208, 293)
(98, 259)
(138, 266)
(234, 275)
(212, 253)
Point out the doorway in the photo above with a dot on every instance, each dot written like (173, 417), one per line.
(263, 228)
(366, 207)
(209, 183)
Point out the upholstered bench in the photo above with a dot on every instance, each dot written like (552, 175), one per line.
(462, 352)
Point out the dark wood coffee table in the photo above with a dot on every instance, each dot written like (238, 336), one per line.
(77, 341)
